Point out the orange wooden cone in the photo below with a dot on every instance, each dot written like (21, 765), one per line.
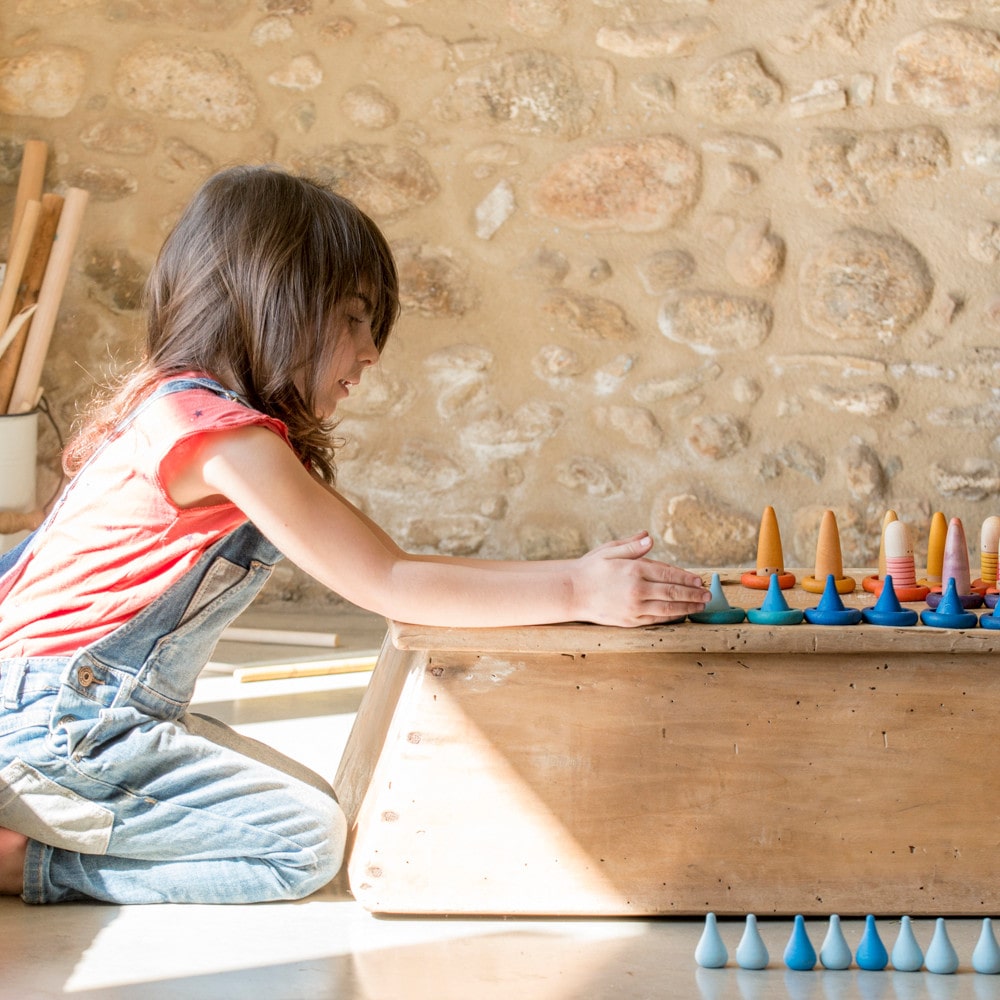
(770, 559)
(828, 560)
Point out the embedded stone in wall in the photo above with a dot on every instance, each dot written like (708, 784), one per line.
(657, 92)
(742, 147)
(741, 179)
(588, 475)
(538, 542)
(842, 24)
(756, 256)
(367, 106)
(117, 277)
(103, 182)
(303, 72)
(637, 185)
(557, 364)
(459, 359)
(416, 469)
(45, 82)
(700, 531)
(196, 15)
(665, 270)
(532, 92)
(717, 436)
(609, 377)
(796, 456)
(983, 242)
(271, 29)
(865, 400)
(537, 17)
(946, 68)
(453, 535)
(863, 284)
(655, 389)
(851, 170)
(656, 39)
(712, 322)
(513, 434)
(587, 314)
(384, 181)
(863, 473)
(821, 98)
(635, 423)
(431, 281)
(491, 156)
(381, 394)
(736, 86)
(546, 266)
(981, 149)
(976, 480)
(494, 210)
(407, 46)
(182, 162)
(187, 84)
(123, 137)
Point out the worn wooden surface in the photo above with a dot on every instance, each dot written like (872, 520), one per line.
(583, 770)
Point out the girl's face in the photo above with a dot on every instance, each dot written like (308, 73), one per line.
(354, 351)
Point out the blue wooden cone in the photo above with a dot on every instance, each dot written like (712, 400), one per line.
(888, 611)
(907, 955)
(718, 611)
(831, 609)
(774, 610)
(991, 620)
(835, 954)
(986, 954)
(711, 950)
(800, 955)
(941, 957)
(871, 954)
(949, 613)
(751, 952)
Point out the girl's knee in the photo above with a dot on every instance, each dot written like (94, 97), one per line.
(325, 856)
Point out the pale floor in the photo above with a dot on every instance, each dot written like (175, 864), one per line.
(328, 946)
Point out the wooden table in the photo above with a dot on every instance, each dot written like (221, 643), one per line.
(680, 769)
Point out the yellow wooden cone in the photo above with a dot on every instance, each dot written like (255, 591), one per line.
(770, 559)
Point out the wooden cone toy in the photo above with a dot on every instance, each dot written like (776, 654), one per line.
(955, 568)
(871, 583)
(828, 560)
(899, 564)
(989, 544)
(935, 550)
(770, 559)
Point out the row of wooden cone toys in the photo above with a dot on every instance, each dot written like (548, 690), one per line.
(947, 559)
(45, 228)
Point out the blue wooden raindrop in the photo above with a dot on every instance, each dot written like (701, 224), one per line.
(941, 957)
(871, 954)
(907, 955)
(711, 950)
(800, 955)
(986, 954)
(835, 953)
(751, 952)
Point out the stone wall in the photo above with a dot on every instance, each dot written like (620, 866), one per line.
(663, 263)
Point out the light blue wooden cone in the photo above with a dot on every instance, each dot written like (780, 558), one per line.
(941, 957)
(751, 952)
(986, 954)
(711, 950)
(907, 955)
(835, 954)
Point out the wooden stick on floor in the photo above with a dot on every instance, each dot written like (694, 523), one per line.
(317, 668)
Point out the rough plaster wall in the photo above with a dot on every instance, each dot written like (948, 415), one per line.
(663, 263)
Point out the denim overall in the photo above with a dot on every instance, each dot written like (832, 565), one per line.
(129, 798)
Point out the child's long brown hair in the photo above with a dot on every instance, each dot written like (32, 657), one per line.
(246, 289)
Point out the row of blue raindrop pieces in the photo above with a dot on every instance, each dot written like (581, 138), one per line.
(949, 612)
(835, 953)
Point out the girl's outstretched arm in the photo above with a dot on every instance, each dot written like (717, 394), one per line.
(615, 584)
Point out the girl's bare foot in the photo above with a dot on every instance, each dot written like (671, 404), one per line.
(13, 847)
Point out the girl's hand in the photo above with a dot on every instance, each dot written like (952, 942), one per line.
(616, 584)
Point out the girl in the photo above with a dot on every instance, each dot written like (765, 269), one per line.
(268, 302)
